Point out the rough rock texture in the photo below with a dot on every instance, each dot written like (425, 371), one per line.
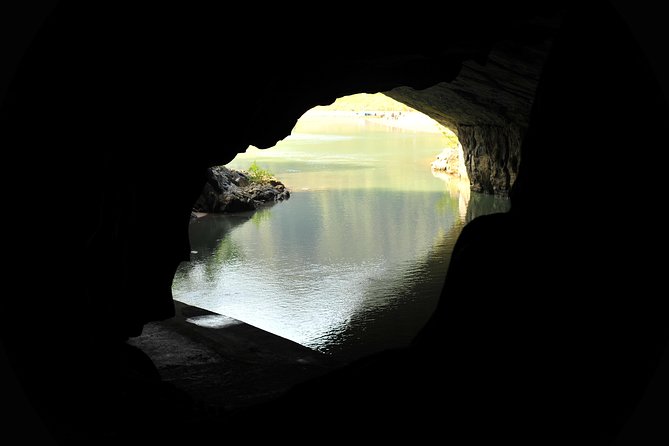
(492, 156)
(488, 105)
(229, 190)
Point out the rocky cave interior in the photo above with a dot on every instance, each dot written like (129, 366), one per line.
(553, 327)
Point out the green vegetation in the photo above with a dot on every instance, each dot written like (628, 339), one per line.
(226, 251)
(260, 216)
(259, 175)
(451, 138)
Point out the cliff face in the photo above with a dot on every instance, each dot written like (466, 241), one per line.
(488, 105)
(492, 156)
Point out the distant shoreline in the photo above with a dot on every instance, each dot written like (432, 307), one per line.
(404, 120)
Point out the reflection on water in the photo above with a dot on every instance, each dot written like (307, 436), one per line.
(354, 261)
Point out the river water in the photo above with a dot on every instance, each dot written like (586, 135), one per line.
(354, 261)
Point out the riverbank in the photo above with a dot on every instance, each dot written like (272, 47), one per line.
(400, 119)
(414, 121)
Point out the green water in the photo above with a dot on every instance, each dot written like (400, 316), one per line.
(354, 261)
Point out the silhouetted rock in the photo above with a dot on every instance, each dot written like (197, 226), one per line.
(229, 190)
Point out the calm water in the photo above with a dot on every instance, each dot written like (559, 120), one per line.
(354, 261)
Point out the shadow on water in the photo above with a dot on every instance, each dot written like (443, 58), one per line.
(212, 227)
(344, 272)
(215, 228)
(390, 323)
(483, 204)
(415, 285)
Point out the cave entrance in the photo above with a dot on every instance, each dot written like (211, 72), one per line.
(354, 260)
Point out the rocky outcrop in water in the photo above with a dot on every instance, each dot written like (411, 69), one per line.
(229, 190)
(451, 162)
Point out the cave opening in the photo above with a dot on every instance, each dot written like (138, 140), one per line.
(568, 359)
(352, 260)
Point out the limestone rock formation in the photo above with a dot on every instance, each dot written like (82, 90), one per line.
(228, 190)
(488, 105)
(451, 162)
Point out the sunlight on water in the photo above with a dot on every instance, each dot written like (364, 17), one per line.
(308, 304)
(354, 261)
